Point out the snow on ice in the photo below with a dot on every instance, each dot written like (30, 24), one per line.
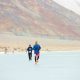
(56, 65)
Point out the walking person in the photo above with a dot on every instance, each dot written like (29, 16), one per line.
(36, 49)
(29, 49)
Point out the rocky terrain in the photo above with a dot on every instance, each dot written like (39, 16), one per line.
(37, 18)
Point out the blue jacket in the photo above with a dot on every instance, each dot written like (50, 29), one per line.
(36, 48)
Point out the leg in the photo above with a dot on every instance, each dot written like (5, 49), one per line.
(35, 58)
(38, 57)
(29, 56)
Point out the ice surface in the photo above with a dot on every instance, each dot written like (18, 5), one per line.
(56, 65)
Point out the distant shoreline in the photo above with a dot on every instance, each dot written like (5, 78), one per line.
(21, 43)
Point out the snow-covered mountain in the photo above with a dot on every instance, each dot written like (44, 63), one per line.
(73, 5)
(38, 17)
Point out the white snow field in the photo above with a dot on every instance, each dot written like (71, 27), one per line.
(56, 65)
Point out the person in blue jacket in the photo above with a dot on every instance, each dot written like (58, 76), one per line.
(36, 49)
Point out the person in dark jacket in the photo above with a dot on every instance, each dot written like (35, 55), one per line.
(29, 49)
(36, 49)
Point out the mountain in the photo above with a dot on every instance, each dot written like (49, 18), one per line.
(73, 5)
(44, 18)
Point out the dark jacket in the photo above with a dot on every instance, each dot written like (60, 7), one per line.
(29, 49)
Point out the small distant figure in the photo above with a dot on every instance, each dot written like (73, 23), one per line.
(29, 49)
(36, 49)
(6, 50)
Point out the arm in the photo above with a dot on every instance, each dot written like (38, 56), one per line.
(39, 47)
(33, 48)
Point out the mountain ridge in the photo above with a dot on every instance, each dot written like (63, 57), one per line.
(38, 17)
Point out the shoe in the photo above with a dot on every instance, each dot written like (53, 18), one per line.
(36, 62)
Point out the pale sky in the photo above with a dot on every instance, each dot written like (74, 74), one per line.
(73, 5)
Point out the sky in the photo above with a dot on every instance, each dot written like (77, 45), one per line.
(73, 5)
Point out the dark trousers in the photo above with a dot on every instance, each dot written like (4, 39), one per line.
(30, 56)
(36, 58)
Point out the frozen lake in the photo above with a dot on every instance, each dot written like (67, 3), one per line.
(56, 65)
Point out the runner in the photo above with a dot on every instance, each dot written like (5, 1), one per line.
(36, 49)
(29, 49)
